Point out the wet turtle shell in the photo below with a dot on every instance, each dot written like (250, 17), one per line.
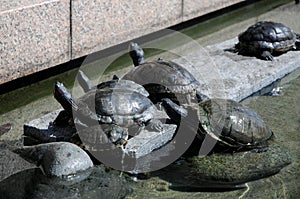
(232, 124)
(267, 38)
(162, 79)
(116, 104)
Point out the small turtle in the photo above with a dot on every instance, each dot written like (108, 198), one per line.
(265, 39)
(117, 104)
(233, 125)
(163, 79)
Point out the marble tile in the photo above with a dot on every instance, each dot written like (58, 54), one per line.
(99, 24)
(196, 8)
(34, 35)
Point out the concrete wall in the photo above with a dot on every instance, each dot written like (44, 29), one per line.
(39, 34)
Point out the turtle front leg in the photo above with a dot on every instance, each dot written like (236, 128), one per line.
(200, 96)
(174, 111)
(146, 119)
(266, 55)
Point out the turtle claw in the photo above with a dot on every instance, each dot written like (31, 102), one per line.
(266, 55)
(156, 125)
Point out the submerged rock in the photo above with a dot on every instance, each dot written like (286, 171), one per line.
(226, 170)
(57, 158)
(11, 163)
(242, 166)
(98, 183)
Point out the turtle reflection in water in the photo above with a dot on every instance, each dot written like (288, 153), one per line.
(163, 79)
(233, 126)
(118, 104)
(265, 39)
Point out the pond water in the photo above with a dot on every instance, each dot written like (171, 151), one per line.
(281, 113)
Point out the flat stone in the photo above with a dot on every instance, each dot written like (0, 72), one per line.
(225, 74)
(57, 158)
(43, 130)
(147, 141)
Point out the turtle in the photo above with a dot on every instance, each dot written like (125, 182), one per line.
(116, 105)
(232, 125)
(163, 79)
(265, 39)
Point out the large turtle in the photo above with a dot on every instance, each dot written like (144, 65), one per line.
(265, 39)
(234, 126)
(116, 105)
(163, 79)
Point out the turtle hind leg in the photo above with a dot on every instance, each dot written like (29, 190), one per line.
(234, 49)
(266, 55)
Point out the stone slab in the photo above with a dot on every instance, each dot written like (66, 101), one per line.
(100, 24)
(229, 75)
(42, 129)
(196, 8)
(147, 141)
(35, 35)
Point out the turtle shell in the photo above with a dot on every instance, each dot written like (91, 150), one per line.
(268, 35)
(163, 78)
(232, 124)
(118, 84)
(118, 102)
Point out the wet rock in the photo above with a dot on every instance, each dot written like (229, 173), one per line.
(42, 130)
(242, 166)
(57, 158)
(11, 163)
(226, 170)
(147, 141)
(34, 185)
(4, 128)
(19, 184)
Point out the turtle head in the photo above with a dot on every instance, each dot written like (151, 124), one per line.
(174, 111)
(63, 96)
(136, 53)
(115, 77)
